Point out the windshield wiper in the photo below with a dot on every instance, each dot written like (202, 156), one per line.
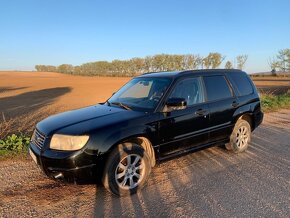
(121, 105)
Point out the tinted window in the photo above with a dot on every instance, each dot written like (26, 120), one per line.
(217, 88)
(241, 82)
(189, 89)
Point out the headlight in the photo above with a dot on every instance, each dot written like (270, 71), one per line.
(68, 142)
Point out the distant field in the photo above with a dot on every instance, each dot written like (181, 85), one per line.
(272, 85)
(271, 81)
(28, 97)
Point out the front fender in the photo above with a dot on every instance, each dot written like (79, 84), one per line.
(103, 141)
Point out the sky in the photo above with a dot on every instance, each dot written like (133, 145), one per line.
(55, 32)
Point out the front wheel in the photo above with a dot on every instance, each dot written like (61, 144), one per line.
(127, 169)
(240, 137)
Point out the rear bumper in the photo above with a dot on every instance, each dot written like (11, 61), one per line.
(70, 166)
(258, 118)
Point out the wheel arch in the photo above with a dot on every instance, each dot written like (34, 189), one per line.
(247, 117)
(146, 144)
(142, 141)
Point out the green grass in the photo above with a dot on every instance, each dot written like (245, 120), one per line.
(14, 145)
(275, 102)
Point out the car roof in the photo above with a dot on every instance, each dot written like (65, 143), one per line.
(174, 74)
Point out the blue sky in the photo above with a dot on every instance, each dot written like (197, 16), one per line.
(78, 31)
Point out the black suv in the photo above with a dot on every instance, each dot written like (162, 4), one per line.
(153, 117)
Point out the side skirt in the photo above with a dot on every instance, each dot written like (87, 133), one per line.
(191, 150)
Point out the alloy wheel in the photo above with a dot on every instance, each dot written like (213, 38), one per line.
(130, 171)
(242, 137)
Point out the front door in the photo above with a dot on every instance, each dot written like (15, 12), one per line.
(183, 129)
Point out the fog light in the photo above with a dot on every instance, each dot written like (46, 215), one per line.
(58, 176)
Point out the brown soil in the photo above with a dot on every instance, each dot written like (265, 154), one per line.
(271, 81)
(273, 85)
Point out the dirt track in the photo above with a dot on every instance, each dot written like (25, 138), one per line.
(209, 183)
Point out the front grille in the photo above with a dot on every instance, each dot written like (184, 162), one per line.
(38, 138)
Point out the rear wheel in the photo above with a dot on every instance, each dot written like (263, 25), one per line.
(240, 137)
(127, 169)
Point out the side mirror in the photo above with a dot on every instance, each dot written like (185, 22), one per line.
(175, 104)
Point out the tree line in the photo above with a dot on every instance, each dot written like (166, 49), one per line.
(155, 63)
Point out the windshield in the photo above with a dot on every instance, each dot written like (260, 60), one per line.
(141, 93)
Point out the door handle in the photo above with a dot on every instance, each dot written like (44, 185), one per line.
(201, 112)
(235, 104)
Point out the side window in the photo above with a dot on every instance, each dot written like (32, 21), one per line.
(241, 82)
(190, 89)
(217, 88)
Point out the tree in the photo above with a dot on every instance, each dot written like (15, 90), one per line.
(39, 68)
(229, 65)
(118, 68)
(283, 59)
(137, 65)
(65, 68)
(274, 65)
(241, 60)
(191, 62)
(280, 62)
(158, 62)
(206, 62)
(177, 62)
(213, 60)
(148, 63)
(45, 68)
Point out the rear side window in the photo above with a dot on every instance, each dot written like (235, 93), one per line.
(241, 82)
(217, 88)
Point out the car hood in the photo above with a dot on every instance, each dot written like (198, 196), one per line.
(93, 117)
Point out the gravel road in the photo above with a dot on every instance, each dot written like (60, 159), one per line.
(209, 183)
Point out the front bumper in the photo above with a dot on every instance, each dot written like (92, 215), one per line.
(70, 166)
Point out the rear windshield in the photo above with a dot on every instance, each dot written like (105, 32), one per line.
(241, 82)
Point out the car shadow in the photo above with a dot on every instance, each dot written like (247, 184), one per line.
(8, 89)
(205, 183)
(21, 109)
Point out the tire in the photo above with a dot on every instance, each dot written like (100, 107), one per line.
(240, 137)
(126, 170)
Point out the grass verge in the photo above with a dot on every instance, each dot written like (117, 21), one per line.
(14, 145)
(275, 102)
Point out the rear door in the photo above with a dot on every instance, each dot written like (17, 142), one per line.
(183, 129)
(222, 104)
